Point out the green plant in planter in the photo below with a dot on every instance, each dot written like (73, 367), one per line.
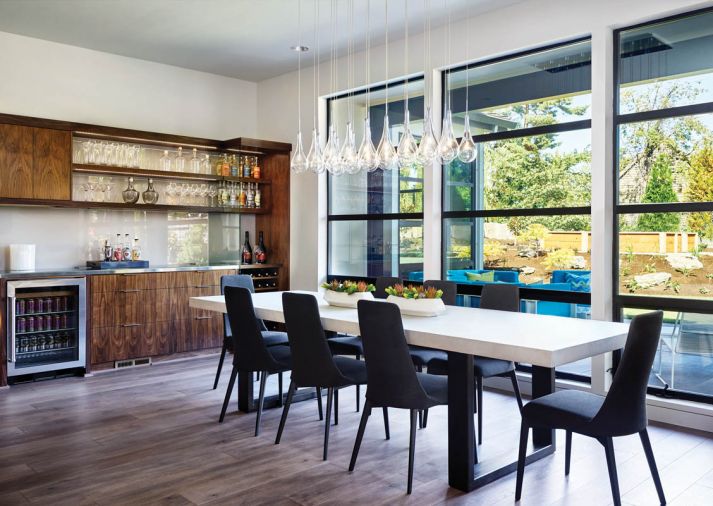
(414, 292)
(349, 287)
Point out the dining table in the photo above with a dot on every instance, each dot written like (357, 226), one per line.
(545, 342)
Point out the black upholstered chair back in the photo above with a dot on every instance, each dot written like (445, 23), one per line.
(243, 281)
(450, 290)
(624, 409)
(250, 350)
(312, 363)
(391, 377)
(382, 283)
(500, 297)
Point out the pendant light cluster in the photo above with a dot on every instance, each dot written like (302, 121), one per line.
(346, 158)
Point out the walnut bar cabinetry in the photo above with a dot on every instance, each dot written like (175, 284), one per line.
(147, 314)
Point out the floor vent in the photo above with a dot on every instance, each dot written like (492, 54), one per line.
(134, 362)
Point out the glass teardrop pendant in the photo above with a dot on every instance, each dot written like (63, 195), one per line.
(408, 148)
(314, 156)
(298, 163)
(367, 158)
(348, 154)
(467, 149)
(448, 145)
(388, 159)
(428, 148)
(330, 155)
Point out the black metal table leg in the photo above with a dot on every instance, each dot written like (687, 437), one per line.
(543, 383)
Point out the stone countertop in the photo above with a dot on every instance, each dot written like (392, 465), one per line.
(83, 271)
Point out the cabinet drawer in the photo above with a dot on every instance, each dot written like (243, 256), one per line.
(198, 333)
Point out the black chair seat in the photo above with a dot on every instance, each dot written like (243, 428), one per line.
(274, 338)
(346, 345)
(281, 355)
(436, 387)
(566, 409)
(484, 367)
(353, 370)
(422, 357)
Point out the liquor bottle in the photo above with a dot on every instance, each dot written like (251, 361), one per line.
(225, 168)
(136, 250)
(180, 162)
(107, 251)
(258, 196)
(250, 196)
(233, 196)
(165, 161)
(126, 251)
(260, 250)
(234, 171)
(255, 168)
(247, 250)
(243, 198)
(195, 162)
(118, 249)
(246, 167)
(219, 167)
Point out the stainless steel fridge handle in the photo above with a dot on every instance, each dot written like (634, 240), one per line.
(11, 327)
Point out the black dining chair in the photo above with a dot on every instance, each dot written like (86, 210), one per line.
(352, 345)
(271, 338)
(313, 365)
(621, 413)
(392, 381)
(251, 353)
(501, 298)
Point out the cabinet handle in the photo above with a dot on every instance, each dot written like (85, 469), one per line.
(131, 325)
(203, 317)
(129, 291)
(203, 286)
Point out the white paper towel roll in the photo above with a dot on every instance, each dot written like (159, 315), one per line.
(22, 257)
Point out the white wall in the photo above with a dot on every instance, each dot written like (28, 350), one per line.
(508, 30)
(56, 81)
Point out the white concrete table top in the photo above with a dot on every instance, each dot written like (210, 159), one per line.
(541, 340)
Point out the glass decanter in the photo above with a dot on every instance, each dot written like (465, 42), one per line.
(150, 195)
(179, 163)
(130, 195)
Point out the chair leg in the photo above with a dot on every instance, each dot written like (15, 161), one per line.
(516, 389)
(360, 434)
(358, 387)
(228, 393)
(319, 403)
(290, 392)
(425, 418)
(279, 389)
(611, 465)
(220, 367)
(387, 433)
(411, 450)
(330, 396)
(567, 452)
(336, 406)
(644, 435)
(260, 402)
(524, 434)
(479, 388)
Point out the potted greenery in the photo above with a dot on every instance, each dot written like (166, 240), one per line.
(417, 300)
(347, 293)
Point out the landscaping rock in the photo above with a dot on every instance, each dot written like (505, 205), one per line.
(683, 261)
(527, 270)
(527, 253)
(653, 279)
(578, 262)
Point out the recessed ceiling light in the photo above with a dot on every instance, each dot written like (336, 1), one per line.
(300, 49)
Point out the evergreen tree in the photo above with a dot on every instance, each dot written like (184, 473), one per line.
(659, 188)
(700, 189)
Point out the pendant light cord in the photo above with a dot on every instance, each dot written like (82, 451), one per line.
(386, 77)
(367, 72)
(299, 66)
(406, 56)
(315, 64)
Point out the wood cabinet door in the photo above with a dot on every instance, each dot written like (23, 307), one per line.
(52, 165)
(16, 162)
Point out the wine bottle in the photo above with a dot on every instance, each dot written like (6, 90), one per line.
(260, 250)
(247, 250)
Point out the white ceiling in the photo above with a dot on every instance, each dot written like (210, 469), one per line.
(245, 39)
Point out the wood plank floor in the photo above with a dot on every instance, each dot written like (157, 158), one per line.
(150, 436)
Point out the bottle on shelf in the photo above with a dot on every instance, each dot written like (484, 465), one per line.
(195, 162)
(180, 161)
(118, 249)
(234, 170)
(126, 251)
(247, 250)
(246, 167)
(255, 168)
(225, 166)
(243, 198)
(233, 196)
(258, 196)
(165, 162)
(136, 250)
(107, 251)
(251, 196)
(260, 250)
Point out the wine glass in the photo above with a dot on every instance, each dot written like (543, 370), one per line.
(212, 192)
(171, 192)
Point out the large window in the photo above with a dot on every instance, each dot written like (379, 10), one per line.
(520, 213)
(376, 218)
(664, 191)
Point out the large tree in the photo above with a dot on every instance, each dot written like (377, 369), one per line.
(659, 188)
(700, 188)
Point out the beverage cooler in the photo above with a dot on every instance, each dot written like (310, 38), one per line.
(46, 325)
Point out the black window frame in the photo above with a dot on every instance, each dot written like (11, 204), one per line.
(621, 301)
(382, 217)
